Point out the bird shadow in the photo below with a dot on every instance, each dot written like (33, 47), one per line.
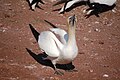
(40, 59)
(98, 9)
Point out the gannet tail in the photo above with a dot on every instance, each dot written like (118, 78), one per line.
(34, 32)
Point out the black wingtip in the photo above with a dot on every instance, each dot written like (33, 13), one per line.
(34, 32)
(50, 24)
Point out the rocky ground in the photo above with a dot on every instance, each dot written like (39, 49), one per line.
(98, 40)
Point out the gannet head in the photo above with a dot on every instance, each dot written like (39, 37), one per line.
(72, 20)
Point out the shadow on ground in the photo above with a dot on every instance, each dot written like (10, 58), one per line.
(40, 59)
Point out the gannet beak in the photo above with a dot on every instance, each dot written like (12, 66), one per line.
(72, 20)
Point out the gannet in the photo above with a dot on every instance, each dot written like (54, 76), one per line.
(34, 3)
(69, 3)
(63, 50)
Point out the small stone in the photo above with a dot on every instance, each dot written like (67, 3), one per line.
(3, 31)
(46, 12)
(43, 67)
(84, 11)
(96, 22)
(8, 4)
(113, 11)
(2, 60)
(97, 30)
(105, 75)
(90, 70)
(86, 39)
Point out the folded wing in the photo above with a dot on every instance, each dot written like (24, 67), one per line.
(107, 2)
(49, 43)
(63, 36)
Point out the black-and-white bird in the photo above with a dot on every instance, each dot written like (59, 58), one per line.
(62, 50)
(69, 3)
(34, 3)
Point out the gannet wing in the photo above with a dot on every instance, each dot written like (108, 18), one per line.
(49, 43)
(61, 33)
(107, 2)
(68, 4)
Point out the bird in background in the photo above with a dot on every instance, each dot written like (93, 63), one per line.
(69, 3)
(34, 3)
(62, 50)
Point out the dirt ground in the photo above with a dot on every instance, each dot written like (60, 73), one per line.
(98, 40)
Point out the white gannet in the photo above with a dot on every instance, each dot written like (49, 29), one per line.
(63, 50)
(69, 3)
(34, 3)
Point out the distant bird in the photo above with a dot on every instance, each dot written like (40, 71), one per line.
(34, 3)
(69, 3)
(62, 50)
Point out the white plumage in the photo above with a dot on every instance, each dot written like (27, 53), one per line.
(62, 34)
(106, 2)
(63, 50)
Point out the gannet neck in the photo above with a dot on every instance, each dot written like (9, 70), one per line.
(71, 31)
(71, 34)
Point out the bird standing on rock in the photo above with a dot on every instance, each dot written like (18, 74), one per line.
(59, 51)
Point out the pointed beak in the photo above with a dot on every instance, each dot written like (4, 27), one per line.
(73, 17)
(72, 20)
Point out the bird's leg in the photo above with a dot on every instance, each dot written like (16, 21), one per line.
(57, 72)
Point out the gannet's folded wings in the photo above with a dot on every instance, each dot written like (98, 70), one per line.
(61, 33)
(49, 43)
(107, 2)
